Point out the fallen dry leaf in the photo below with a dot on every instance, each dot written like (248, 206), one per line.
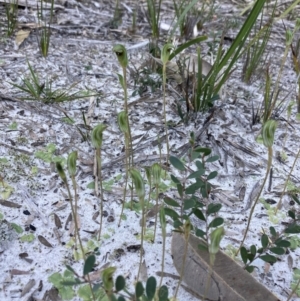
(20, 37)
(9, 204)
(229, 281)
(44, 241)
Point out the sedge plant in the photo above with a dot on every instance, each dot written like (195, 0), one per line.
(44, 39)
(97, 139)
(37, 90)
(255, 53)
(11, 12)
(268, 133)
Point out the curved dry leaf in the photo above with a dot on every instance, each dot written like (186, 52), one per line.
(9, 204)
(290, 262)
(57, 221)
(44, 241)
(30, 284)
(253, 195)
(242, 193)
(228, 282)
(15, 272)
(21, 36)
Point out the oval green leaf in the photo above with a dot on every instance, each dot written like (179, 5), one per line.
(277, 250)
(151, 287)
(264, 240)
(171, 202)
(89, 264)
(268, 258)
(244, 255)
(120, 283)
(177, 163)
(218, 221)
(213, 208)
(139, 289)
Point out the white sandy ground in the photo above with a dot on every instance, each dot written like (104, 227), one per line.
(49, 194)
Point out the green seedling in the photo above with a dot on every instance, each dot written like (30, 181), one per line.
(27, 238)
(48, 156)
(13, 126)
(66, 292)
(274, 243)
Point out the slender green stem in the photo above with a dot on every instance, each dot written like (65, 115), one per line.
(163, 256)
(286, 182)
(126, 177)
(142, 236)
(156, 199)
(131, 162)
(78, 235)
(270, 156)
(165, 115)
(76, 206)
(99, 167)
